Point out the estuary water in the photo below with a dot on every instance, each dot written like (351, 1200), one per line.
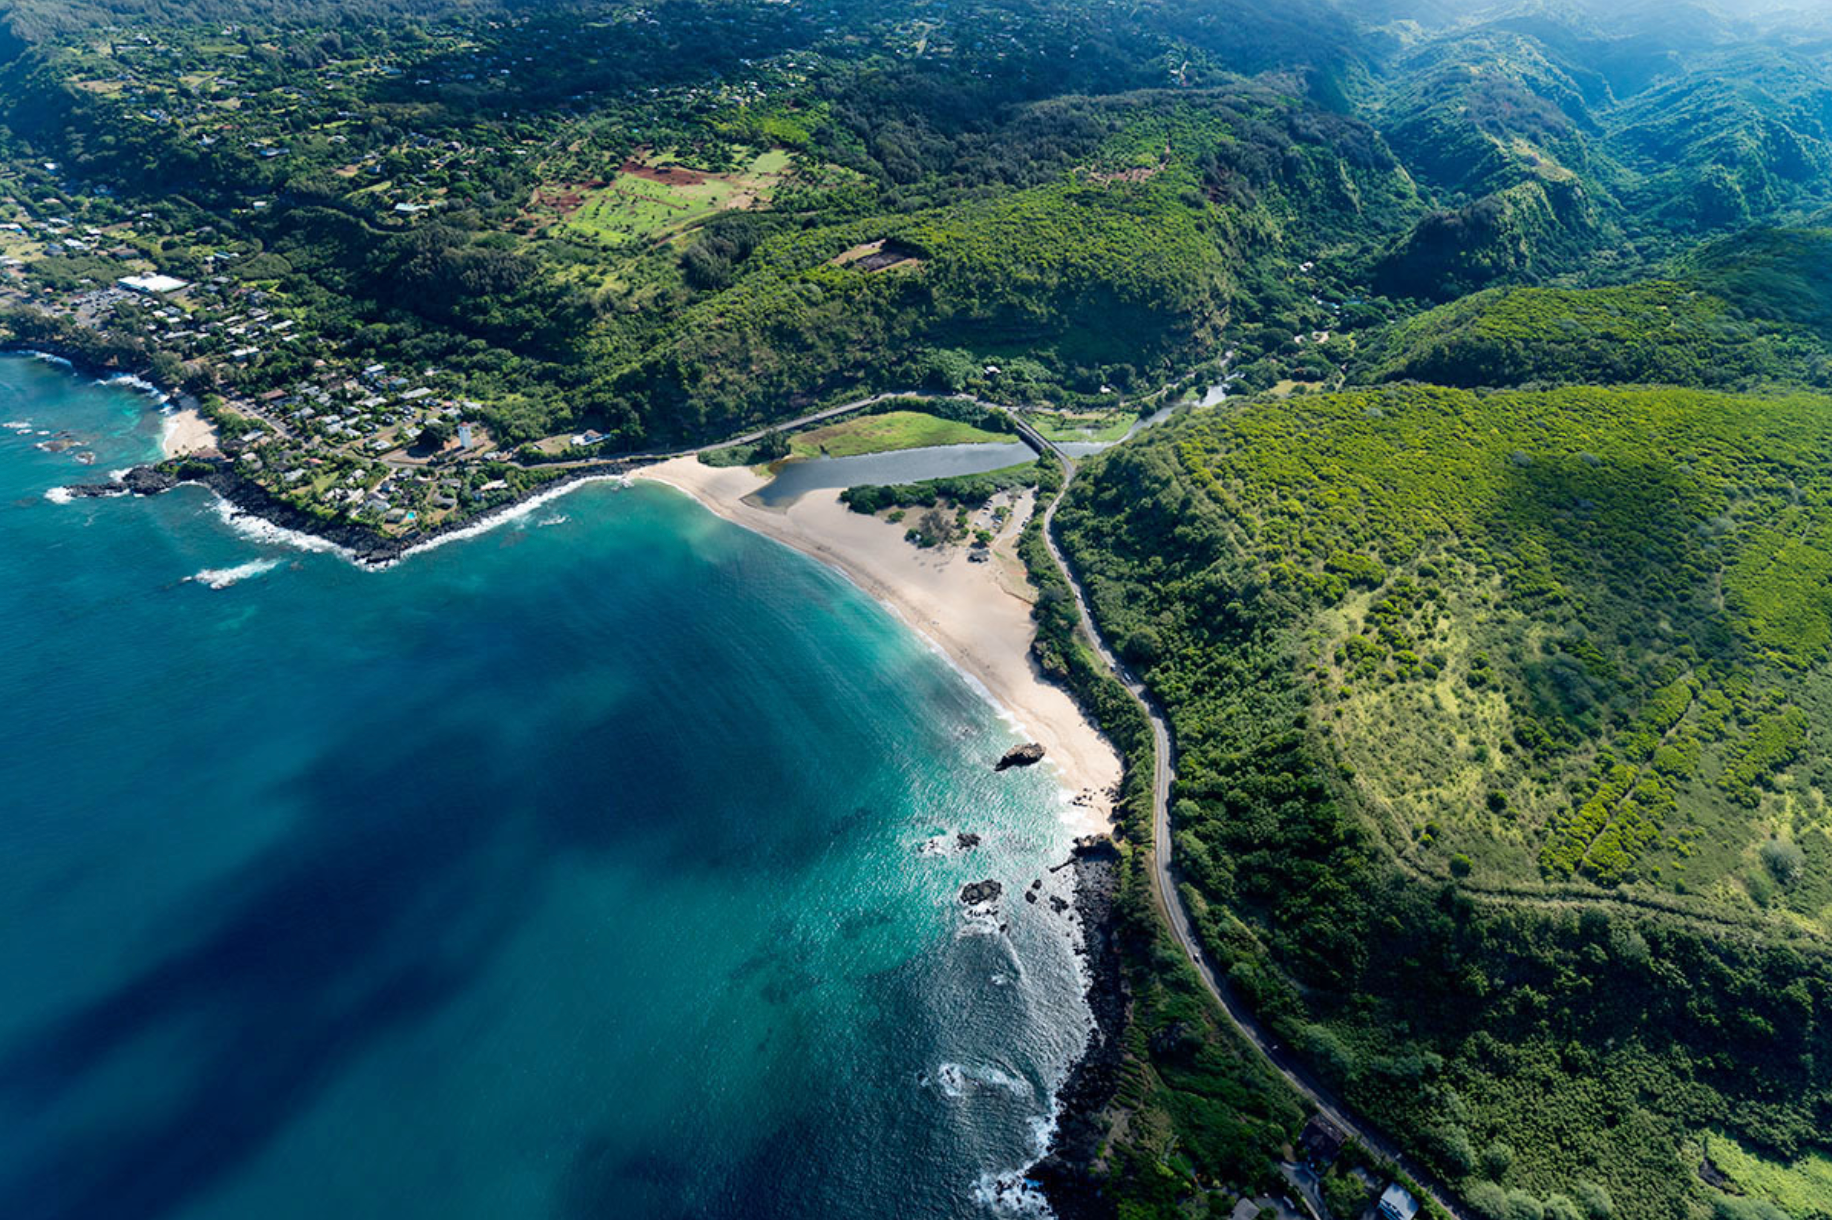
(601, 865)
(797, 479)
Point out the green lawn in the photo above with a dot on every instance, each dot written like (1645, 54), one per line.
(883, 433)
(1081, 426)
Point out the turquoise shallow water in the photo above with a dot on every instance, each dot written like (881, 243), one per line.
(573, 870)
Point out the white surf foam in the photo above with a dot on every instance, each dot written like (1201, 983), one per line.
(59, 495)
(222, 578)
(137, 383)
(954, 1078)
(1011, 1194)
(257, 529)
(514, 513)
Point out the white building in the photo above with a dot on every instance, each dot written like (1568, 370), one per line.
(153, 285)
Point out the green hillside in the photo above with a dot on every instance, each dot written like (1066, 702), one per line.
(1784, 274)
(1661, 332)
(1497, 725)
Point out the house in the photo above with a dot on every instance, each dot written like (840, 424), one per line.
(1321, 1141)
(1397, 1203)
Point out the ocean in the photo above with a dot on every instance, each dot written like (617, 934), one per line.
(599, 865)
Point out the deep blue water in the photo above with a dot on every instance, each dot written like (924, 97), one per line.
(572, 870)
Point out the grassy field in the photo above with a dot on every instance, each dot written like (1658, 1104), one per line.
(1081, 426)
(1803, 1188)
(636, 207)
(884, 433)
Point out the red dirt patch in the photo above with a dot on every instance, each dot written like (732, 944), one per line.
(565, 197)
(667, 175)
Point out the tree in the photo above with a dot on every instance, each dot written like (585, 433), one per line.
(936, 527)
(1142, 647)
(1595, 1200)
(950, 369)
(1497, 1159)
(773, 445)
(1559, 1207)
(1783, 860)
(435, 434)
(1344, 1195)
(1523, 1206)
(1487, 1199)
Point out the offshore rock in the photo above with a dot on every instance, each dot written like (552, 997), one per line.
(976, 892)
(1095, 847)
(1025, 755)
(140, 481)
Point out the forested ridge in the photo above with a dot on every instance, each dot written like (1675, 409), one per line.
(1425, 648)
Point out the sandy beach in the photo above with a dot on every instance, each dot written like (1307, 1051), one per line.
(186, 432)
(978, 614)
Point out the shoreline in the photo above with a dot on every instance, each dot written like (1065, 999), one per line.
(1065, 1173)
(987, 608)
(976, 615)
(242, 499)
(186, 432)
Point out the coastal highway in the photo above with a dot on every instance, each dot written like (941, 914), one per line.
(1170, 902)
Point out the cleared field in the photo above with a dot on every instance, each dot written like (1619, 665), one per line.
(1081, 426)
(648, 199)
(887, 432)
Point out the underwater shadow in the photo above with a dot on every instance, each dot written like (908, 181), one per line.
(377, 912)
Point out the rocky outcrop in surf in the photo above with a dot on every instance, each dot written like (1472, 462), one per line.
(1073, 1192)
(140, 481)
(1028, 754)
(976, 892)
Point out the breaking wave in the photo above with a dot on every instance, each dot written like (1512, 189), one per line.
(222, 578)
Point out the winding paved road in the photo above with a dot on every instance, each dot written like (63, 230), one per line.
(1170, 902)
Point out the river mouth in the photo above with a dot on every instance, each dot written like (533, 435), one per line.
(796, 479)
